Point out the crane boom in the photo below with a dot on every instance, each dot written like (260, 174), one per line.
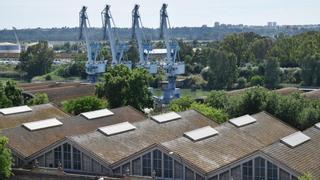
(107, 29)
(16, 36)
(137, 32)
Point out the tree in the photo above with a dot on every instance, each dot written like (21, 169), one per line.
(215, 114)
(84, 104)
(37, 60)
(223, 70)
(272, 73)
(311, 70)
(254, 101)
(257, 80)
(5, 159)
(306, 176)
(181, 104)
(122, 86)
(133, 54)
(10, 95)
(217, 99)
(4, 101)
(40, 98)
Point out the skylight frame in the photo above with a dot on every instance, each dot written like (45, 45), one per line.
(97, 114)
(117, 128)
(15, 110)
(318, 125)
(42, 124)
(243, 121)
(295, 139)
(201, 133)
(166, 117)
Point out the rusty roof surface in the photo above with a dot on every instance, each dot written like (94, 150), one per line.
(114, 148)
(312, 94)
(26, 142)
(231, 143)
(303, 158)
(59, 92)
(288, 90)
(39, 112)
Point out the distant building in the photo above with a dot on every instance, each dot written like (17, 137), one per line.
(9, 52)
(157, 54)
(272, 24)
(217, 24)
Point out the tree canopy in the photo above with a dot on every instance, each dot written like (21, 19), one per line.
(84, 104)
(5, 159)
(122, 86)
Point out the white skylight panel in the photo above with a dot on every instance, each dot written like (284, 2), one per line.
(15, 110)
(201, 133)
(162, 118)
(242, 121)
(97, 114)
(318, 125)
(43, 124)
(295, 139)
(117, 128)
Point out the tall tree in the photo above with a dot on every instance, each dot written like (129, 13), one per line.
(122, 86)
(311, 70)
(223, 70)
(37, 60)
(5, 159)
(84, 104)
(272, 73)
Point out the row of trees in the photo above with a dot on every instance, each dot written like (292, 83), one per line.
(240, 54)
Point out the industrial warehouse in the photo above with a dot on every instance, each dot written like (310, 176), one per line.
(124, 142)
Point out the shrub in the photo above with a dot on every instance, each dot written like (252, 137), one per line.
(257, 81)
(217, 115)
(84, 104)
(242, 82)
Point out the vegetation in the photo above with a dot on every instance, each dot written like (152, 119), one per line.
(306, 176)
(84, 104)
(5, 159)
(122, 86)
(10, 95)
(40, 98)
(37, 60)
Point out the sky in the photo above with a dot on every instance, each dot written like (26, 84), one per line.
(61, 13)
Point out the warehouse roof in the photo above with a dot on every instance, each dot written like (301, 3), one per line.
(38, 112)
(147, 133)
(312, 94)
(231, 144)
(26, 142)
(302, 158)
(288, 90)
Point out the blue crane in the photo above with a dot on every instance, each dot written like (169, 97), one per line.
(94, 65)
(172, 65)
(143, 45)
(118, 48)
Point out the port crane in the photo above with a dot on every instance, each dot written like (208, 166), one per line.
(118, 48)
(172, 65)
(94, 66)
(144, 47)
(16, 36)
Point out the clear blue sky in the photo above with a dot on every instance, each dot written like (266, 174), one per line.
(60, 13)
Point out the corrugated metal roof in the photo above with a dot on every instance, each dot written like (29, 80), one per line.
(39, 112)
(303, 158)
(28, 143)
(147, 133)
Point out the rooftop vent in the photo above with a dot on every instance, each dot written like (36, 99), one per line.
(162, 118)
(242, 121)
(43, 124)
(117, 128)
(295, 139)
(97, 114)
(201, 133)
(318, 125)
(15, 110)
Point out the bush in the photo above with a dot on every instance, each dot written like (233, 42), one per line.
(48, 77)
(257, 81)
(217, 115)
(254, 101)
(84, 104)
(242, 82)
(217, 99)
(40, 98)
(181, 104)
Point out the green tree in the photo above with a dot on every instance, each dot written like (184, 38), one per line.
(133, 53)
(223, 70)
(122, 86)
(272, 73)
(306, 176)
(311, 70)
(40, 98)
(181, 104)
(84, 104)
(257, 80)
(13, 93)
(254, 100)
(217, 99)
(37, 60)
(5, 159)
(4, 101)
(215, 114)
